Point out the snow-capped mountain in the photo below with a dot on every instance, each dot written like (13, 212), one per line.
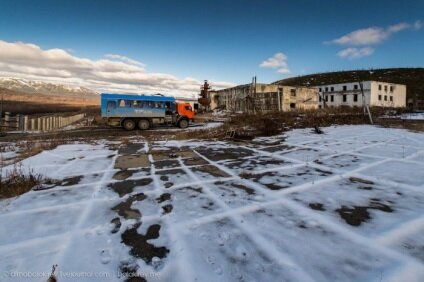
(33, 86)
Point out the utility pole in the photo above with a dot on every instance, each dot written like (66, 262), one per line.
(364, 104)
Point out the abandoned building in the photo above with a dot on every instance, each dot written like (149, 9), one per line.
(376, 93)
(261, 97)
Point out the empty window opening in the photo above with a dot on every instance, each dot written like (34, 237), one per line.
(122, 103)
(355, 98)
(111, 104)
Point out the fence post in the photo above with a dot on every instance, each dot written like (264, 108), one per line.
(32, 124)
(26, 124)
(7, 119)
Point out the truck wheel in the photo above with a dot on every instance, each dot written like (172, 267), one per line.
(183, 123)
(143, 124)
(129, 124)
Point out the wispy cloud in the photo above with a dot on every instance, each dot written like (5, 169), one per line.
(124, 59)
(368, 37)
(278, 61)
(374, 35)
(355, 53)
(114, 73)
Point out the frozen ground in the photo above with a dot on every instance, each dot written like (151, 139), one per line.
(347, 205)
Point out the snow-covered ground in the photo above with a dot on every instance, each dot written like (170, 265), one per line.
(413, 116)
(347, 205)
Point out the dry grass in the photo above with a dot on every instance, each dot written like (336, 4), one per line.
(17, 182)
(252, 125)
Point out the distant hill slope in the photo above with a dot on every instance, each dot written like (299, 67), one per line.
(413, 78)
(33, 86)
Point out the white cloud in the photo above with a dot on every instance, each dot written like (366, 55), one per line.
(124, 59)
(418, 25)
(283, 70)
(114, 73)
(355, 53)
(374, 35)
(278, 61)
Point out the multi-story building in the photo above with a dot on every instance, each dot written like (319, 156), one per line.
(261, 97)
(376, 93)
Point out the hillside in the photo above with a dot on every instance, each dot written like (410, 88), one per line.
(39, 87)
(413, 78)
(36, 103)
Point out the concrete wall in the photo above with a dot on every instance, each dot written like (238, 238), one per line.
(388, 94)
(45, 123)
(376, 93)
(214, 95)
(267, 98)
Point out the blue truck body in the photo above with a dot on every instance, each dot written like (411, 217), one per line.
(124, 105)
(144, 111)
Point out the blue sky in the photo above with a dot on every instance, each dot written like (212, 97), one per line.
(223, 41)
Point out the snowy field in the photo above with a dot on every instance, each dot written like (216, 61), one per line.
(347, 205)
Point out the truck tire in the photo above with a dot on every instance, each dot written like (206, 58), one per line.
(128, 124)
(143, 124)
(183, 123)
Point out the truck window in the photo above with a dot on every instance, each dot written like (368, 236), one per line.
(188, 108)
(111, 105)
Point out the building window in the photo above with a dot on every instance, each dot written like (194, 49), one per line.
(391, 88)
(332, 89)
(292, 105)
(379, 87)
(385, 97)
(326, 98)
(355, 87)
(355, 97)
(344, 97)
(293, 92)
(385, 88)
(391, 98)
(326, 89)
(344, 87)
(332, 98)
(320, 99)
(320, 89)
(379, 97)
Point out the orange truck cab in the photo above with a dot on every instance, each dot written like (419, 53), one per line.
(185, 109)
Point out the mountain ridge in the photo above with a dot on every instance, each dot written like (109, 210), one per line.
(36, 86)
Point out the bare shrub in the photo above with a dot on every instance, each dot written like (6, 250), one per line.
(17, 182)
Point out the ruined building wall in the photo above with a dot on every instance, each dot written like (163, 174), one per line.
(268, 98)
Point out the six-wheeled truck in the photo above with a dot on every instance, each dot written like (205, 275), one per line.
(144, 111)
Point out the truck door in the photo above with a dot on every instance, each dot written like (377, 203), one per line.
(111, 106)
